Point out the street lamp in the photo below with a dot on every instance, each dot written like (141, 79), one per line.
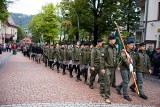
(67, 13)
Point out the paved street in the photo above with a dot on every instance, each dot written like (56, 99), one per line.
(25, 83)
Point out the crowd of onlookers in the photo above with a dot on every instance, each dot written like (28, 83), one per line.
(5, 47)
(155, 59)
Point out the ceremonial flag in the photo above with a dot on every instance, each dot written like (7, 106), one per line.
(119, 42)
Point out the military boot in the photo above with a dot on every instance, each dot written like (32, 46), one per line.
(132, 89)
(143, 96)
(85, 82)
(127, 98)
(91, 87)
(118, 91)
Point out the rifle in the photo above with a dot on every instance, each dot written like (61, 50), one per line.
(133, 76)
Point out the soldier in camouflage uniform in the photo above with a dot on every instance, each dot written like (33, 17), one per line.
(50, 56)
(62, 57)
(75, 58)
(96, 54)
(108, 65)
(45, 53)
(126, 68)
(57, 58)
(69, 59)
(85, 58)
(142, 63)
(65, 57)
(53, 57)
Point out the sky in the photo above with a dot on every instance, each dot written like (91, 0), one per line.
(29, 7)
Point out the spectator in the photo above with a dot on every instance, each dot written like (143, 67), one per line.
(24, 50)
(156, 62)
(38, 53)
(0, 48)
(33, 52)
(14, 49)
(10, 47)
(150, 52)
(4, 47)
(7, 47)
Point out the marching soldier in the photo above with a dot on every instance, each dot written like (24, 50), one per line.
(50, 56)
(96, 54)
(108, 66)
(57, 58)
(60, 56)
(46, 49)
(142, 63)
(62, 52)
(69, 59)
(75, 59)
(53, 56)
(85, 58)
(126, 68)
(65, 57)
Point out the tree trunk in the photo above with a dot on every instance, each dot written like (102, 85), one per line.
(95, 32)
(95, 35)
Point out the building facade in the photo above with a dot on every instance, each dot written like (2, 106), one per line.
(149, 28)
(8, 31)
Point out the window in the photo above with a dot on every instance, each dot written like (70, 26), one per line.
(159, 11)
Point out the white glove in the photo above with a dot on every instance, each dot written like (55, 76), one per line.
(131, 67)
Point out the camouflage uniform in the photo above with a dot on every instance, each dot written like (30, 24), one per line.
(96, 54)
(109, 64)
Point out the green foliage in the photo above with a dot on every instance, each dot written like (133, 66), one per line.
(46, 23)
(3, 10)
(131, 14)
(20, 33)
(125, 34)
(93, 15)
(98, 16)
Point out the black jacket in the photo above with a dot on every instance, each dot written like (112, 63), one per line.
(38, 50)
(33, 49)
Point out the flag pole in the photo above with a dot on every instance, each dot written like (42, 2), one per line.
(134, 79)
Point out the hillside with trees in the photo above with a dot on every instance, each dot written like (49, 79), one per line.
(21, 19)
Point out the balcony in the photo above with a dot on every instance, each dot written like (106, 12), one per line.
(141, 3)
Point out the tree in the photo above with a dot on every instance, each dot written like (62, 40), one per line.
(20, 33)
(131, 14)
(96, 16)
(46, 23)
(4, 12)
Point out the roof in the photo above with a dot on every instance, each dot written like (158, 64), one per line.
(26, 40)
(11, 22)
